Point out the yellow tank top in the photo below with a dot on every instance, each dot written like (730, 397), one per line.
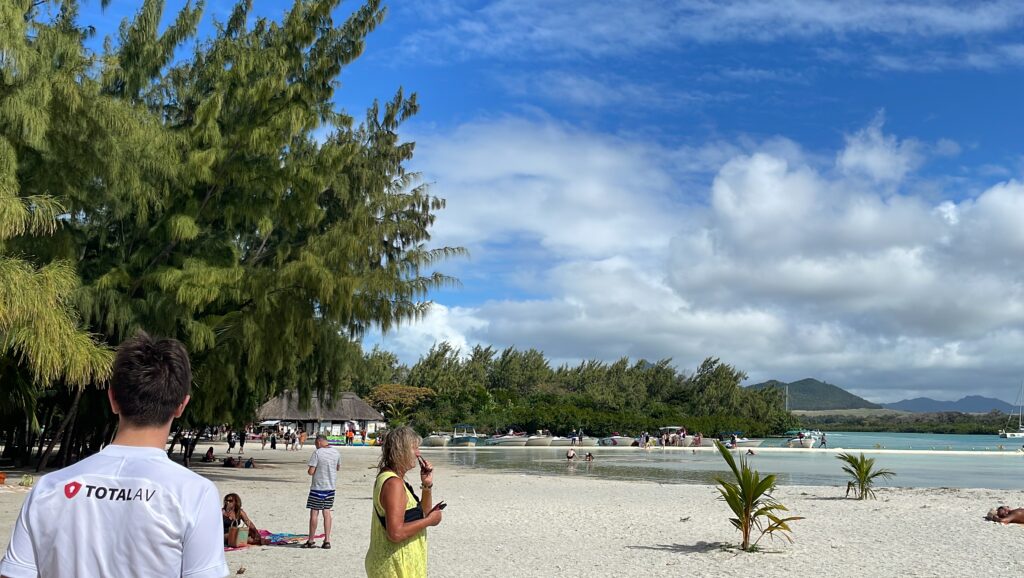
(387, 559)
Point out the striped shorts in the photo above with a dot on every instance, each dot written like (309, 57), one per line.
(320, 500)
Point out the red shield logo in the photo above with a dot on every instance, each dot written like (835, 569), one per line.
(71, 489)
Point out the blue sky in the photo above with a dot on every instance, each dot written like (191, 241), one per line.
(801, 188)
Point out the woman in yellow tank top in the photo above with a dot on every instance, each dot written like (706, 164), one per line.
(398, 530)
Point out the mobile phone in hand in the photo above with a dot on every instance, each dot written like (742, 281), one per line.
(440, 506)
(422, 462)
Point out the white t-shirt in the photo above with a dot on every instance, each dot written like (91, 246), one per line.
(126, 511)
(326, 461)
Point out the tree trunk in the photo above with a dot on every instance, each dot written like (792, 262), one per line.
(70, 440)
(9, 443)
(46, 428)
(60, 431)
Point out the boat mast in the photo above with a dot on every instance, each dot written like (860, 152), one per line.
(1020, 407)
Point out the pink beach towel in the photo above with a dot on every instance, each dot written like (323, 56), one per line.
(282, 539)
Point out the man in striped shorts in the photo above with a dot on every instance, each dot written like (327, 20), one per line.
(323, 466)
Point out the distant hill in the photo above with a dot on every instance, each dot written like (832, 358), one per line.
(969, 404)
(811, 394)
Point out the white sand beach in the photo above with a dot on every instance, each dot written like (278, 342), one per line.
(506, 524)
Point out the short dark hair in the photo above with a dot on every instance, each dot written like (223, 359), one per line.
(151, 378)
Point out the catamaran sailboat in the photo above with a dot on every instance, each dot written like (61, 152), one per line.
(1008, 433)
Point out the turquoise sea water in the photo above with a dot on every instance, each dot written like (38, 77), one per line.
(985, 467)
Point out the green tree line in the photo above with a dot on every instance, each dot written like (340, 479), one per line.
(519, 388)
(949, 422)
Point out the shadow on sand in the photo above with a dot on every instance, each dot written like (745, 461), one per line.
(699, 547)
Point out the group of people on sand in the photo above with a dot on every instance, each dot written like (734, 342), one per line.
(170, 514)
(293, 441)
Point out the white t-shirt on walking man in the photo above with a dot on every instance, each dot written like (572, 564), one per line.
(326, 461)
(126, 511)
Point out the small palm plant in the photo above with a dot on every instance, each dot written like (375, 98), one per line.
(749, 498)
(864, 474)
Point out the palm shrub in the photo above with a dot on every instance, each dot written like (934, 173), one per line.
(862, 470)
(749, 498)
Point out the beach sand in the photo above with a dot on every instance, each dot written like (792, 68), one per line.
(509, 524)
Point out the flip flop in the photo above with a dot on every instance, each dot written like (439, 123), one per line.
(326, 546)
(308, 545)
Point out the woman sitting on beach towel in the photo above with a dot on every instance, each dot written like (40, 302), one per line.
(234, 515)
(1005, 515)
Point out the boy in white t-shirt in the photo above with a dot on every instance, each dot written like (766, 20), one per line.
(127, 510)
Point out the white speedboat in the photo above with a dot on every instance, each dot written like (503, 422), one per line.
(539, 441)
(464, 436)
(617, 441)
(560, 441)
(436, 440)
(586, 441)
(737, 440)
(801, 442)
(1009, 433)
(507, 440)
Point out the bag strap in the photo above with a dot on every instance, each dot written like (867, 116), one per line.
(411, 514)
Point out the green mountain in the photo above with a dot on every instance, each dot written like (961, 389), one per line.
(811, 394)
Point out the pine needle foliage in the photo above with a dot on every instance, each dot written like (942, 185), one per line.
(863, 473)
(212, 193)
(749, 497)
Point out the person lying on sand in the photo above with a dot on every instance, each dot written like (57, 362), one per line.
(1005, 515)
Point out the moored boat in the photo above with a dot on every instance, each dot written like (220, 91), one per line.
(617, 440)
(464, 436)
(560, 441)
(803, 440)
(1009, 433)
(436, 440)
(507, 440)
(539, 441)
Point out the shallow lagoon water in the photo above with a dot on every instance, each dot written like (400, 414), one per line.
(961, 468)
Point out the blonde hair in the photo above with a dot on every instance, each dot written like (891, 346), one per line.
(396, 452)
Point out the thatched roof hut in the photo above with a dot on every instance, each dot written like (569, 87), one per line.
(347, 407)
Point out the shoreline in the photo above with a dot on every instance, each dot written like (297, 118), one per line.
(758, 449)
(503, 523)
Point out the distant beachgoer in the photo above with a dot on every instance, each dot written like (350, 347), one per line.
(208, 457)
(750, 452)
(350, 437)
(302, 439)
(231, 441)
(570, 455)
(263, 441)
(273, 441)
(823, 441)
(250, 463)
(241, 442)
(589, 457)
(231, 462)
(1005, 515)
(362, 437)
